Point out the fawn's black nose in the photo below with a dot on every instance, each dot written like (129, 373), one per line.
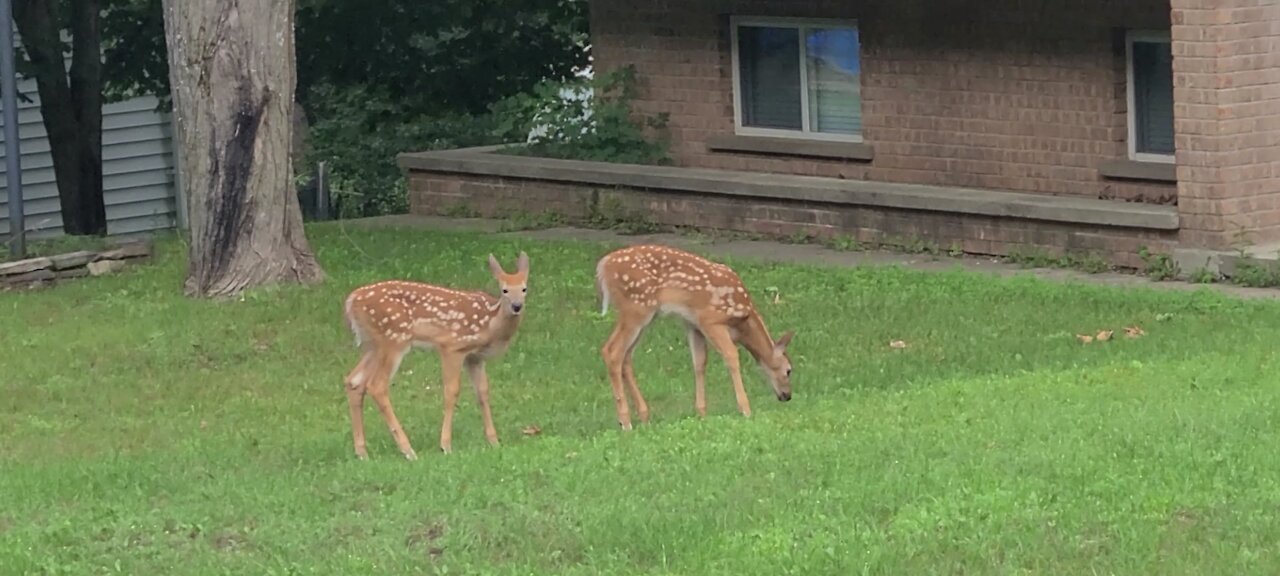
(516, 308)
(784, 396)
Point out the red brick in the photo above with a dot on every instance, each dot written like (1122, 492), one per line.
(940, 107)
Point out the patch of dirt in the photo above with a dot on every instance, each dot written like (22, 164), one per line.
(230, 541)
(264, 341)
(6, 524)
(426, 536)
(1183, 518)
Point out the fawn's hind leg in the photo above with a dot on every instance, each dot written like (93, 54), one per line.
(355, 384)
(379, 386)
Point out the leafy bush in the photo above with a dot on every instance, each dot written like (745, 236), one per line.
(358, 132)
(583, 119)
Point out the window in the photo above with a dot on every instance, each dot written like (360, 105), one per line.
(797, 78)
(1150, 88)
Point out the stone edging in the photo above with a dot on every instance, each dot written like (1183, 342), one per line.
(45, 271)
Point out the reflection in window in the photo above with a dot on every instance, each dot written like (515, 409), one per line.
(799, 78)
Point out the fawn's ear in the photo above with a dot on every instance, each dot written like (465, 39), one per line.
(522, 263)
(784, 341)
(495, 267)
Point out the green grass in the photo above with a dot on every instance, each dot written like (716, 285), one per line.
(145, 433)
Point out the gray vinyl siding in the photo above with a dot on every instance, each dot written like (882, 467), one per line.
(139, 185)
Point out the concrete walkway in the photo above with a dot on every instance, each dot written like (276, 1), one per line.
(805, 253)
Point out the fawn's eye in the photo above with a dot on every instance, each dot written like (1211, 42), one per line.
(504, 291)
(523, 290)
(788, 372)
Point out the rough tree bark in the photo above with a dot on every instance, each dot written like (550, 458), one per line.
(232, 76)
(70, 103)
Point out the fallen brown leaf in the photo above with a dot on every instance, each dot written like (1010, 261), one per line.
(1134, 332)
(898, 344)
(1104, 335)
(203, 424)
(1084, 338)
(533, 430)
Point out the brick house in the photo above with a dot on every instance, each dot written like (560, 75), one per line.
(1065, 125)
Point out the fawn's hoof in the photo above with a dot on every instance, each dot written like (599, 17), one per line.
(411, 455)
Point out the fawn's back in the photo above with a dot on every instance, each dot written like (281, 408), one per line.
(660, 278)
(419, 313)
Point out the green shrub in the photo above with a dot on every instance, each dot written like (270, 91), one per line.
(583, 119)
(359, 132)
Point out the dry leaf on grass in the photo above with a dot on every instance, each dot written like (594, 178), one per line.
(533, 430)
(1105, 335)
(897, 344)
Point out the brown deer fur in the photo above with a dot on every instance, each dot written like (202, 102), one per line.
(466, 328)
(646, 280)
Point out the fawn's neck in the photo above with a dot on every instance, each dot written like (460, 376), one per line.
(754, 336)
(503, 325)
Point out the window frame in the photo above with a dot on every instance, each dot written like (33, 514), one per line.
(800, 24)
(1132, 37)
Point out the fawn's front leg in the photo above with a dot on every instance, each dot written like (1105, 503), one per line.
(480, 381)
(720, 338)
(451, 375)
(698, 349)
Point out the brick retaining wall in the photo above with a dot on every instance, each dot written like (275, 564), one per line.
(494, 196)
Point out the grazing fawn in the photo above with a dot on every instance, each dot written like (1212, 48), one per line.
(465, 327)
(645, 280)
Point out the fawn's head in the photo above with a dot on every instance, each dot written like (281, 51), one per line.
(514, 286)
(778, 367)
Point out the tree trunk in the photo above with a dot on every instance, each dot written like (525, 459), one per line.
(86, 99)
(232, 75)
(72, 111)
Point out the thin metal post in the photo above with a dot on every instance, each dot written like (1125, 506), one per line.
(179, 177)
(12, 153)
(322, 193)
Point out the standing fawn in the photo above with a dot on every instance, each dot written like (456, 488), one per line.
(465, 327)
(645, 280)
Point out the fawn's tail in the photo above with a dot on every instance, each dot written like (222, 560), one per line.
(602, 292)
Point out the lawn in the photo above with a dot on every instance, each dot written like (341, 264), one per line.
(145, 433)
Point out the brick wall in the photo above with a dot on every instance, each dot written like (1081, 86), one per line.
(444, 194)
(1227, 119)
(1022, 95)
